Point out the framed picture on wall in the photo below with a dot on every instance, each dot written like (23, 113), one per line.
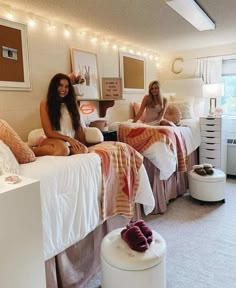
(111, 88)
(14, 56)
(132, 72)
(84, 65)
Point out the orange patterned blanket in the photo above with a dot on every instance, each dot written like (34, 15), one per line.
(120, 169)
(141, 138)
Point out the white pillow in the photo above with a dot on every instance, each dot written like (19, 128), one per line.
(186, 109)
(8, 162)
(93, 135)
(35, 136)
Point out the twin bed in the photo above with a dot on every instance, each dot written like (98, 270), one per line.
(72, 195)
(169, 152)
(73, 223)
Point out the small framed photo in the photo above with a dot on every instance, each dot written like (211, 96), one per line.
(85, 65)
(111, 88)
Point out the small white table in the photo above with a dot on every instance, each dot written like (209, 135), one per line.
(209, 187)
(21, 238)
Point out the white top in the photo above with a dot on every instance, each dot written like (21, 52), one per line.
(116, 252)
(66, 123)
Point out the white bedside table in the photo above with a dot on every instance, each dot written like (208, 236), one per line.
(213, 148)
(21, 238)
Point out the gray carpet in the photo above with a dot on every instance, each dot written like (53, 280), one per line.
(201, 242)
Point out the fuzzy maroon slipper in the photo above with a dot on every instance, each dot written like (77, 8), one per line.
(208, 168)
(135, 238)
(147, 232)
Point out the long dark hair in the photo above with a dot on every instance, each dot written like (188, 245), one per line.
(54, 103)
(153, 100)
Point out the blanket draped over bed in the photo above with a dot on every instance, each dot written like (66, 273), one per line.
(141, 138)
(118, 193)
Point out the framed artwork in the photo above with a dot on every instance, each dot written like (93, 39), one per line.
(111, 88)
(132, 72)
(14, 56)
(84, 65)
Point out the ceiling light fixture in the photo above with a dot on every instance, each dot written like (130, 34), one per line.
(190, 11)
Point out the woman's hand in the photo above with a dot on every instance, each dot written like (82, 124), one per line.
(75, 144)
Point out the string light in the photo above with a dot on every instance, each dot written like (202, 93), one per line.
(9, 16)
(31, 23)
(68, 30)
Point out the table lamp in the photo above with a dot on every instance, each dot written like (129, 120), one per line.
(212, 91)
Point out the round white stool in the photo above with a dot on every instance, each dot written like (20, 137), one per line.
(209, 187)
(123, 267)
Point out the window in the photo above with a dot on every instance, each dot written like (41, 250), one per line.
(228, 101)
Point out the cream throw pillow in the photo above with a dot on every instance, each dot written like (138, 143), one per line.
(93, 135)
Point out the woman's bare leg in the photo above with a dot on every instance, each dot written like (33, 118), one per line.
(53, 147)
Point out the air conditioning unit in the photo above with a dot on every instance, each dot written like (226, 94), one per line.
(231, 157)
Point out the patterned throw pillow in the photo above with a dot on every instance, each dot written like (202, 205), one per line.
(20, 149)
(8, 162)
(173, 113)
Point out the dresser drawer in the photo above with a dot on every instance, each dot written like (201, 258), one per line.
(212, 127)
(215, 140)
(213, 161)
(210, 146)
(209, 133)
(210, 121)
(209, 153)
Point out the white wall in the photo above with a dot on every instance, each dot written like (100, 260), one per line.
(190, 59)
(189, 64)
(49, 54)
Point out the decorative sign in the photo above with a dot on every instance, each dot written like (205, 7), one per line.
(87, 108)
(111, 88)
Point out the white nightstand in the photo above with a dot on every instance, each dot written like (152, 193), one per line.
(213, 148)
(21, 238)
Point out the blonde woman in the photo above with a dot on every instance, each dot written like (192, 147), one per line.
(154, 104)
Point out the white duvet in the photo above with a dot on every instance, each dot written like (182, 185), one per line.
(161, 154)
(70, 197)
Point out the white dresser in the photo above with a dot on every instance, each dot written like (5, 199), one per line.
(21, 238)
(213, 147)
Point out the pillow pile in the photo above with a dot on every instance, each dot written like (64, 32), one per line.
(185, 106)
(21, 150)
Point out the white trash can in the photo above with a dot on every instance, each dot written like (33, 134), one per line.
(122, 267)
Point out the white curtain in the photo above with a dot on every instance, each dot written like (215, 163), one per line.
(209, 69)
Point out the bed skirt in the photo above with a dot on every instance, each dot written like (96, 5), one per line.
(77, 264)
(165, 190)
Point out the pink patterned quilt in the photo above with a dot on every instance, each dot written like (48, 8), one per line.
(141, 138)
(120, 167)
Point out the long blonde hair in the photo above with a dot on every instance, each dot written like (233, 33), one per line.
(153, 100)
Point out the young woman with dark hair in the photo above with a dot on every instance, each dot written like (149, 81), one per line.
(60, 120)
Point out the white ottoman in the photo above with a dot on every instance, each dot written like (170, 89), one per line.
(123, 267)
(209, 187)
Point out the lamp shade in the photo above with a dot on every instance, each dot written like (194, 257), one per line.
(213, 90)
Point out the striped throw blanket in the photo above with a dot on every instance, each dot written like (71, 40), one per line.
(120, 169)
(141, 138)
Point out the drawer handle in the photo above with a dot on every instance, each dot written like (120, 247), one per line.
(210, 158)
(209, 131)
(211, 149)
(210, 143)
(210, 125)
(210, 137)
